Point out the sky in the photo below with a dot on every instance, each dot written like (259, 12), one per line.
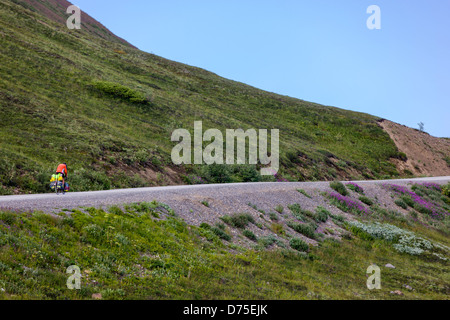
(320, 51)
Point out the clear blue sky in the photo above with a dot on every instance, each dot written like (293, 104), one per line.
(315, 50)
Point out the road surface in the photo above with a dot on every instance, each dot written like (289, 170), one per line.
(225, 197)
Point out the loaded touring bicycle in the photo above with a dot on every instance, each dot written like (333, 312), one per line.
(58, 185)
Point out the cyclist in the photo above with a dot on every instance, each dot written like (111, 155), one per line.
(62, 169)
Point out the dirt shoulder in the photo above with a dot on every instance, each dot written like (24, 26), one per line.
(427, 155)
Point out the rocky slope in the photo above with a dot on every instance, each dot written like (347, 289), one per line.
(425, 155)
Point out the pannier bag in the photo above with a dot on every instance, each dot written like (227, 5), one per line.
(53, 180)
(58, 181)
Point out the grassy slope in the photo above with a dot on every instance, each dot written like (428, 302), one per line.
(50, 113)
(56, 11)
(144, 251)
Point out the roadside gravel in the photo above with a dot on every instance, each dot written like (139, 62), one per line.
(224, 199)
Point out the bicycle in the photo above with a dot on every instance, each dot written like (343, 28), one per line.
(58, 184)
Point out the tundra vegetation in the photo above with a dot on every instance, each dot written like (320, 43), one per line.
(109, 110)
(147, 251)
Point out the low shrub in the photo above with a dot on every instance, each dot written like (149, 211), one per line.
(216, 173)
(205, 203)
(322, 214)
(273, 216)
(446, 190)
(240, 220)
(446, 199)
(245, 173)
(9, 218)
(402, 156)
(337, 218)
(423, 209)
(401, 203)
(304, 193)
(217, 230)
(339, 187)
(407, 200)
(267, 241)
(354, 187)
(309, 214)
(193, 179)
(89, 180)
(295, 208)
(299, 245)
(348, 205)
(307, 229)
(420, 199)
(277, 228)
(250, 235)
(403, 241)
(120, 91)
(427, 186)
(366, 200)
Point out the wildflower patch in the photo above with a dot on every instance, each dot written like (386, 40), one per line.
(402, 240)
(347, 204)
(419, 202)
(354, 187)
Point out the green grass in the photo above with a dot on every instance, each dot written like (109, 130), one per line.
(322, 214)
(109, 111)
(407, 200)
(401, 203)
(205, 203)
(119, 91)
(117, 134)
(129, 253)
(354, 187)
(278, 229)
(298, 244)
(249, 235)
(304, 193)
(279, 208)
(144, 251)
(218, 230)
(446, 190)
(306, 229)
(339, 187)
(366, 200)
(238, 220)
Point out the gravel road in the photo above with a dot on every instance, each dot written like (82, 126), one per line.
(186, 200)
(261, 200)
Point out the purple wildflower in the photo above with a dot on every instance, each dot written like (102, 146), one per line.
(355, 187)
(349, 204)
(423, 205)
(278, 178)
(196, 179)
(431, 185)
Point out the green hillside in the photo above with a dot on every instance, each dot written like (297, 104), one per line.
(62, 100)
